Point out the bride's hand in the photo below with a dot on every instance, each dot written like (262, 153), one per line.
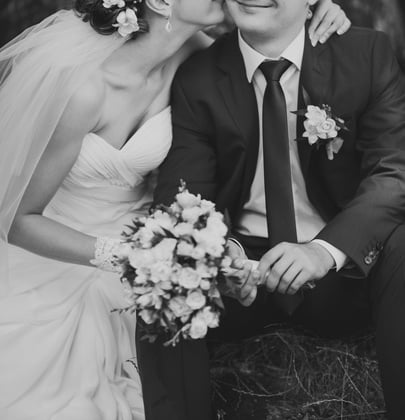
(328, 18)
(240, 281)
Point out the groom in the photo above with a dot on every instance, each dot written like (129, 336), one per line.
(324, 220)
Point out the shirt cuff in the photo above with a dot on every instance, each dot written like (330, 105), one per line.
(339, 256)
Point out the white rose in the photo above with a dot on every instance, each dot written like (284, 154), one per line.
(192, 214)
(127, 22)
(188, 278)
(327, 130)
(196, 300)
(179, 307)
(188, 200)
(198, 327)
(315, 114)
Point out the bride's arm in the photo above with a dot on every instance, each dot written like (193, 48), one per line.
(329, 18)
(30, 229)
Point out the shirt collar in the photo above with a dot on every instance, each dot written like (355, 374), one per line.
(252, 58)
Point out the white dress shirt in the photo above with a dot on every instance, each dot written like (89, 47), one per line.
(253, 220)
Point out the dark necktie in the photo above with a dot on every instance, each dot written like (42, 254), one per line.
(276, 157)
(277, 168)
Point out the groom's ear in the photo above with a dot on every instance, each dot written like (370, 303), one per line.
(161, 7)
(312, 2)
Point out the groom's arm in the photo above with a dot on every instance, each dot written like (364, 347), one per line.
(192, 156)
(378, 207)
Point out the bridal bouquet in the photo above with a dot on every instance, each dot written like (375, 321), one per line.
(171, 263)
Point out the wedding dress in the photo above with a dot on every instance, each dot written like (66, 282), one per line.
(64, 355)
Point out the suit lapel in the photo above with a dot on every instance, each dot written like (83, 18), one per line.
(314, 89)
(239, 98)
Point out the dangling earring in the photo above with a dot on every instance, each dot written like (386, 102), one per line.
(309, 14)
(168, 26)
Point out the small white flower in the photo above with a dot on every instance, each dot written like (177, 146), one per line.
(164, 250)
(333, 147)
(196, 300)
(198, 327)
(179, 306)
(187, 200)
(192, 214)
(110, 3)
(141, 258)
(184, 229)
(160, 271)
(148, 316)
(198, 253)
(210, 317)
(311, 132)
(127, 22)
(217, 225)
(185, 249)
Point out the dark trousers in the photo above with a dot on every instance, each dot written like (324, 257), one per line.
(176, 382)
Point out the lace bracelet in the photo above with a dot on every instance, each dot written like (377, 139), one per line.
(105, 254)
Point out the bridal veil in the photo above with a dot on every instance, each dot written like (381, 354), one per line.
(39, 72)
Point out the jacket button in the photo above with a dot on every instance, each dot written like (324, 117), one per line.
(368, 260)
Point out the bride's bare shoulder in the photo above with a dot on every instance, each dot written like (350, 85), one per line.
(84, 105)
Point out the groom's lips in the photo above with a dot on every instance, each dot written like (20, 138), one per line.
(259, 4)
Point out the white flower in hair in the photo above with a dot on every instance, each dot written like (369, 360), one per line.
(127, 22)
(110, 3)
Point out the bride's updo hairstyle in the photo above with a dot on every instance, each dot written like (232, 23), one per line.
(110, 16)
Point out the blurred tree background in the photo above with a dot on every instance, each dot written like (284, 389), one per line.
(386, 15)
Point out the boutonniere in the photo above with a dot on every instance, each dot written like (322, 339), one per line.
(322, 128)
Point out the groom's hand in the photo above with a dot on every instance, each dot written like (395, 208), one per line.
(287, 267)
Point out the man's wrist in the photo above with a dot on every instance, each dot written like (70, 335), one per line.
(339, 257)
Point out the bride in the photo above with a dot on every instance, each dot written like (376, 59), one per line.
(84, 122)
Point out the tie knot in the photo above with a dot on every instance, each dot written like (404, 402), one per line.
(273, 70)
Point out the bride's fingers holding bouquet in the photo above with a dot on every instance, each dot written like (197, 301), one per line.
(241, 281)
(328, 18)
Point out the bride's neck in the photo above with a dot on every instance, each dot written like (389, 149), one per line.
(151, 51)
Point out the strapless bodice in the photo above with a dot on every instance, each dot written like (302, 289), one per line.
(109, 186)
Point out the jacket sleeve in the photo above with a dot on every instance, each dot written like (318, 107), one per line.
(192, 156)
(378, 207)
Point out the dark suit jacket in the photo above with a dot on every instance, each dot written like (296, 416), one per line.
(360, 194)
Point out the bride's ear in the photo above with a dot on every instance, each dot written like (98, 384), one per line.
(161, 7)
